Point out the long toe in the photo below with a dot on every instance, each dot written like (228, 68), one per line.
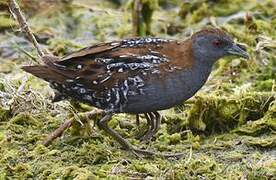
(141, 136)
(144, 153)
(151, 123)
(141, 153)
(148, 136)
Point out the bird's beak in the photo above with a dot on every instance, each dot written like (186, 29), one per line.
(238, 50)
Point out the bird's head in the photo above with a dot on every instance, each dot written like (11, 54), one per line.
(211, 44)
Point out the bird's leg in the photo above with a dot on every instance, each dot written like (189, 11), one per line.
(155, 119)
(151, 126)
(137, 120)
(150, 123)
(157, 122)
(103, 124)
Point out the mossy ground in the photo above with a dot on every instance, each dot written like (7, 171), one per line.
(227, 131)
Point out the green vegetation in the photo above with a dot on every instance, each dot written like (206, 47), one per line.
(227, 131)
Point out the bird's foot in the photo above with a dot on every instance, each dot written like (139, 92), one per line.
(147, 136)
(141, 153)
(153, 125)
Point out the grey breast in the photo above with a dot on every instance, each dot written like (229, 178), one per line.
(170, 91)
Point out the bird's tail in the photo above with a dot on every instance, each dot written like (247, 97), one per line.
(48, 72)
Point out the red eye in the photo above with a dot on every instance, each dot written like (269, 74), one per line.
(217, 42)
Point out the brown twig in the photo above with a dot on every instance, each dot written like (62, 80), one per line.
(18, 15)
(59, 131)
(136, 17)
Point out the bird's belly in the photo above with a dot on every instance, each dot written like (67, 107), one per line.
(154, 101)
(164, 94)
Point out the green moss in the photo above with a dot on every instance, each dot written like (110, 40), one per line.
(194, 140)
(6, 67)
(75, 172)
(175, 138)
(200, 13)
(195, 11)
(202, 166)
(24, 119)
(269, 142)
(23, 168)
(6, 22)
(265, 125)
(218, 114)
(4, 114)
(188, 7)
(265, 85)
(228, 7)
(40, 149)
(60, 47)
(149, 169)
(142, 16)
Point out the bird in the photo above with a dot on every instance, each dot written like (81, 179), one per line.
(137, 75)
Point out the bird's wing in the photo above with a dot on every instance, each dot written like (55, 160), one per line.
(109, 64)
